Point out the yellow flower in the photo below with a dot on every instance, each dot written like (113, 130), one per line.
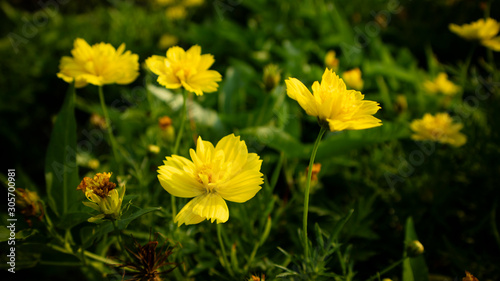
(331, 60)
(188, 69)
(176, 12)
(493, 43)
(153, 149)
(441, 85)
(98, 64)
(353, 78)
(333, 104)
(478, 30)
(214, 174)
(438, 128)
(167, 40)
(102, 195)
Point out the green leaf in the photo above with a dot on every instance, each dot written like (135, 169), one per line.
(340, 224)
(91, 233)
(414, 269)
(332, 145)
(61, 171)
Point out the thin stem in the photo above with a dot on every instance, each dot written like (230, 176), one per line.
(223, 249)
(277, 171)
(387, 269)
(86, 253)
(119, 236)
(308, 187)
(177, 143)
(183, 122)
(110, 131)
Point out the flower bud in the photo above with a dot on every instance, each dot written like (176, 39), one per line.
(167, 130)
(331, 60)
(271, 77)
(414, 248)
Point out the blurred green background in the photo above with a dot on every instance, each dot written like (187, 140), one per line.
(452, 195)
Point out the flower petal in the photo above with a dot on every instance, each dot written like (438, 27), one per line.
(297, 91)
(208, 206)
(245, 184)
(176, 181)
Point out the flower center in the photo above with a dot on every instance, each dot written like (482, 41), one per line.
(211, 174)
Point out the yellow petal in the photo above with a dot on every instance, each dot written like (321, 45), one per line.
(297, 91)
(246, 184)
(176, 181)
(208, 206)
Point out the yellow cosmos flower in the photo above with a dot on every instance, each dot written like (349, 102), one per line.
(333, 104)
(438, 128)
(102, 195)
(493, 44)
(479, 30)
(214, 174)
(98, 64)
(353, 78)
(188, 69)
(331, 60)
(176, 12)
(441, 85)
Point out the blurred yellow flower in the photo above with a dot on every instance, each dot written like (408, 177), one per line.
(176, 12)
(29, 203)
(441, 85)
(98, 64)
(353, 78)
(188, 69)
(102, 195)
(438, 128)
(479, 30)
(331, 60)
(493, 43)
(333, 104)
(214, 174)
(167, 40)
(153, 149)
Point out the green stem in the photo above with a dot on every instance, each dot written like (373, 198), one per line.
(183, 122)
(119, 236)
(387, 269)
(223, 249)
(277, 171)
(110, 131)
(308, 187)
(177, 143)
(86, 253)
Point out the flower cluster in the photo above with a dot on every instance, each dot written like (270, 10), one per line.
(441, 85)
(214, 174)
(98, 64)
(334, 106)
(483, 30)
(103, 196)
(438, 128)
(188, 69)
